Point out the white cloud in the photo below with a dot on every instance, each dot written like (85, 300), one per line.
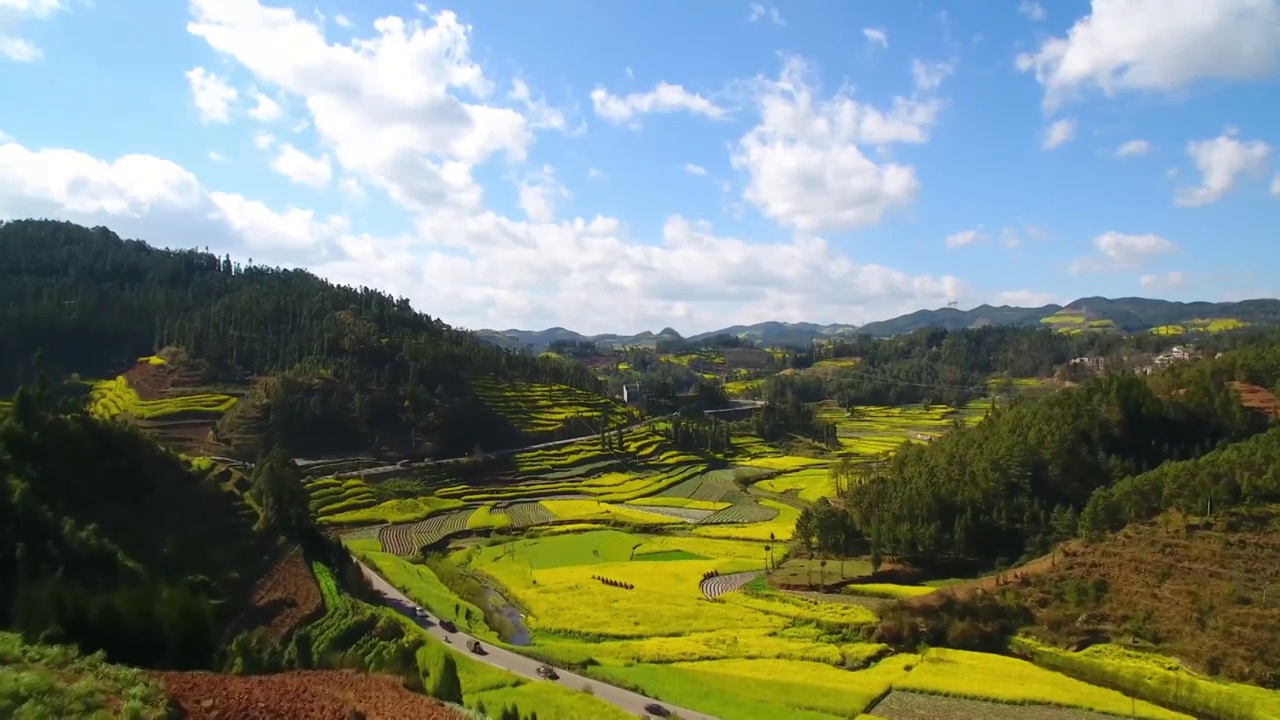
(928, 76)
(695, 169)
(876, 36)
(351, 188)
(803, 159)
(664, 98)
(1031, 9)
(301, 168)
(539, 193)
(16, 48)
(1157, 45)
(1118, 251)
(1058, 132)
(217, 157)
(1275, 185)
(212, 95)
(19, 49)
(1221, 161)
(384, 105)
(759, 12)
(1166, 281)
(541, 116)
(263, 140)
(1133, 148)
(964, 238)
(1010, 238)
(267, 110)
(595, 174)
(342, 20)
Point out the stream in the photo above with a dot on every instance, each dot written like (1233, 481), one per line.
(513, 630)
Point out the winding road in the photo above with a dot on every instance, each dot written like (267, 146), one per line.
(519, 664)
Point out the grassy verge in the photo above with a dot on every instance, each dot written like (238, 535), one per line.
(51, 681)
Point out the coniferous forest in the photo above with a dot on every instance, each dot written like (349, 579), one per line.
(353, 368)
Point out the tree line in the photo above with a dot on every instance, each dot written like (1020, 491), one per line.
(355, 368)
(1008, 487)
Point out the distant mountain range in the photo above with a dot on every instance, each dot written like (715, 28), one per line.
(1086, 314)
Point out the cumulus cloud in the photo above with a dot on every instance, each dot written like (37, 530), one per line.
(876, 36)
(664, 98)
(266, 110)
(301, 168)
(804, 160)
(1058, 133)
(406, 111)
(1157, 45)
(1133, 148)
(12, 12)
(1275, 186)
(1118, 251)
(1221, 162)
(693, 169)
(964, 238)
(212, 95)
(928, 76)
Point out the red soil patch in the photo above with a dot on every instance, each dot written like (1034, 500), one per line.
(301, 695)
(1257, 398)
(283, 599)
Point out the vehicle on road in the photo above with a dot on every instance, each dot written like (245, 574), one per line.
(548, 672)
(419, 612)
(448, 626)
(656, 709)
(475, 647)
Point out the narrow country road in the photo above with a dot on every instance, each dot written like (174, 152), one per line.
(526, 667)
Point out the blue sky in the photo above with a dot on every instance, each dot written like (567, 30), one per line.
(618, 167)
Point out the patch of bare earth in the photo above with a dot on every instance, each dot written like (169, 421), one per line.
(301, 695)
(1258, 398)
(919, 706)
(283, 599)
(1195, 588)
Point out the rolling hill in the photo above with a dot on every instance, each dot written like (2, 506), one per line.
(1131, 314)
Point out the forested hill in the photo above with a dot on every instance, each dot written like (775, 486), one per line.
(350, 368)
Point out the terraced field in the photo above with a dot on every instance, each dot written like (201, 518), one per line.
(715, 486)
(523, 515)
(741, 513)
(539, 409)
(407, 538)
(1215, 325)
(115, 397)
(715, 586)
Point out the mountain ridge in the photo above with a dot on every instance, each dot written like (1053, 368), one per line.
(1126, 314)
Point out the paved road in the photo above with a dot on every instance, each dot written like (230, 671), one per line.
(629, 701)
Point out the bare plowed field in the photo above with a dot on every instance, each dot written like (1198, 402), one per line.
(302, 695)
(918, 706)
(283, 599)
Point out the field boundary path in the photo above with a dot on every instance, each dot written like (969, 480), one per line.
(715, 586)
(526, 667)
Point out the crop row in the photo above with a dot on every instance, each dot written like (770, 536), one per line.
(524, 515)
(111, 398)
(741, 513)
(713, 486)
(406, 539)
(689, 515)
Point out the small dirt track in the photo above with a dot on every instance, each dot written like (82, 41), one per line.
(714, 587)
(520, 665)
(300, 695)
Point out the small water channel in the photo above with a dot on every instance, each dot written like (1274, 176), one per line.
(511, 626)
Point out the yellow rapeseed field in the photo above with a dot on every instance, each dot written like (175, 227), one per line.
(982, 676)
(802, 608)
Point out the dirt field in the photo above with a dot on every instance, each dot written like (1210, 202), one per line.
(917, 706)
(990, 583)
(283, 599)
(1258, 398)
(303, 695)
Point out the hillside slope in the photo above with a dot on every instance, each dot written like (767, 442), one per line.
(338, 369)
